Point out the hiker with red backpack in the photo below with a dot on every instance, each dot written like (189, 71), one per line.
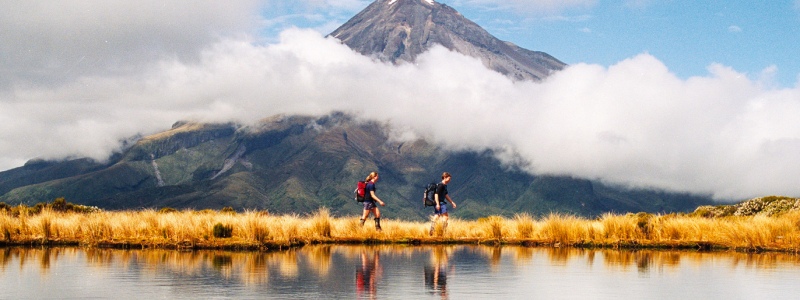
(440, 209)
(369, 201)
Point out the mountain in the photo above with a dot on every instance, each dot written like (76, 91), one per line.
(401, 30)
(297, 164)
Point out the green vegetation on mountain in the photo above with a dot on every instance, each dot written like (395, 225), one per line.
(299, 164)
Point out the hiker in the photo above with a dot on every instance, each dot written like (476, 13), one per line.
(369, 201)
(440, 210)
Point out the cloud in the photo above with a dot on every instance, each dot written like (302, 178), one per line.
(634, 123)
(61, 40)
(734, 28)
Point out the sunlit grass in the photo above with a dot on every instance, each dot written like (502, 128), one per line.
(259, 229)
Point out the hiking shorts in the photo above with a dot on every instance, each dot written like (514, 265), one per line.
(369, 205)
(442, 209)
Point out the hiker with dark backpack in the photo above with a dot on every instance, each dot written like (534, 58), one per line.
(369, 201)
(440, 208)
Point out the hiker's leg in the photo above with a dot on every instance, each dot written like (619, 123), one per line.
(433, 223)
(445, 217)
(377, 218)
(364, 216)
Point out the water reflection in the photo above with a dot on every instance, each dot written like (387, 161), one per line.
(390, 272)
(368, 274)
(436, 271)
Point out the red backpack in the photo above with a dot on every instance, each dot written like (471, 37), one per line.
(361, 188)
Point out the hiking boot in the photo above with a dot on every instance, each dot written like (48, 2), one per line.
(362, 222)
(378, 224)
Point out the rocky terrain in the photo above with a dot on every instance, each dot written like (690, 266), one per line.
(769, 206)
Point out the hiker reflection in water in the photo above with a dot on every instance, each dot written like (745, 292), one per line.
(367, 275)
(440, 210)
(369, 201)
(436, 272)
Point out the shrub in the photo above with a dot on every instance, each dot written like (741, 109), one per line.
(59, 205)
(643, 222)
(223, 231)
(7, 234)
(36, 209)
(167, 210)
(228, 210)
(82, 208)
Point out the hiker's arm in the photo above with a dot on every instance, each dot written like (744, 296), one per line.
(451, 200)
(372, 193)
(436, 200)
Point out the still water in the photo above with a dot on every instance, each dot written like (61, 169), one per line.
(395, 272)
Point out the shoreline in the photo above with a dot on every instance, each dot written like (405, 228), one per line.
(699, 246)
(260, 231)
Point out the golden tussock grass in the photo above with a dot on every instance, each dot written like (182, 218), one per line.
(261, 230)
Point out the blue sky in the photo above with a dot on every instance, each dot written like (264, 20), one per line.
(688, 36)
(688, 96)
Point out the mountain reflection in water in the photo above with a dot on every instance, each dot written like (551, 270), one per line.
(394, 272)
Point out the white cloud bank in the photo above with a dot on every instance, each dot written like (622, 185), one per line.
(633, 123)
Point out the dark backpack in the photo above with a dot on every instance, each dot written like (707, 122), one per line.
(430, 192)
(361, 191)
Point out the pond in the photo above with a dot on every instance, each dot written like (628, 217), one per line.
(395, 272)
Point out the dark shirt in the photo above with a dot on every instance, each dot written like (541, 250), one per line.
(441, 190)
(367, 194)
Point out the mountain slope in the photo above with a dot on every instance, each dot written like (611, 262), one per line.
(298, 164)
(401, 30)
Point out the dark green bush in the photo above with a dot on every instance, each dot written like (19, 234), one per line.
(228, 210)
(223, 231)
(60, 205)
(36, 209)
(643, 222)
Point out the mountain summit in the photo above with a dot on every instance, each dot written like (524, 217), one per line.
(400, 30)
